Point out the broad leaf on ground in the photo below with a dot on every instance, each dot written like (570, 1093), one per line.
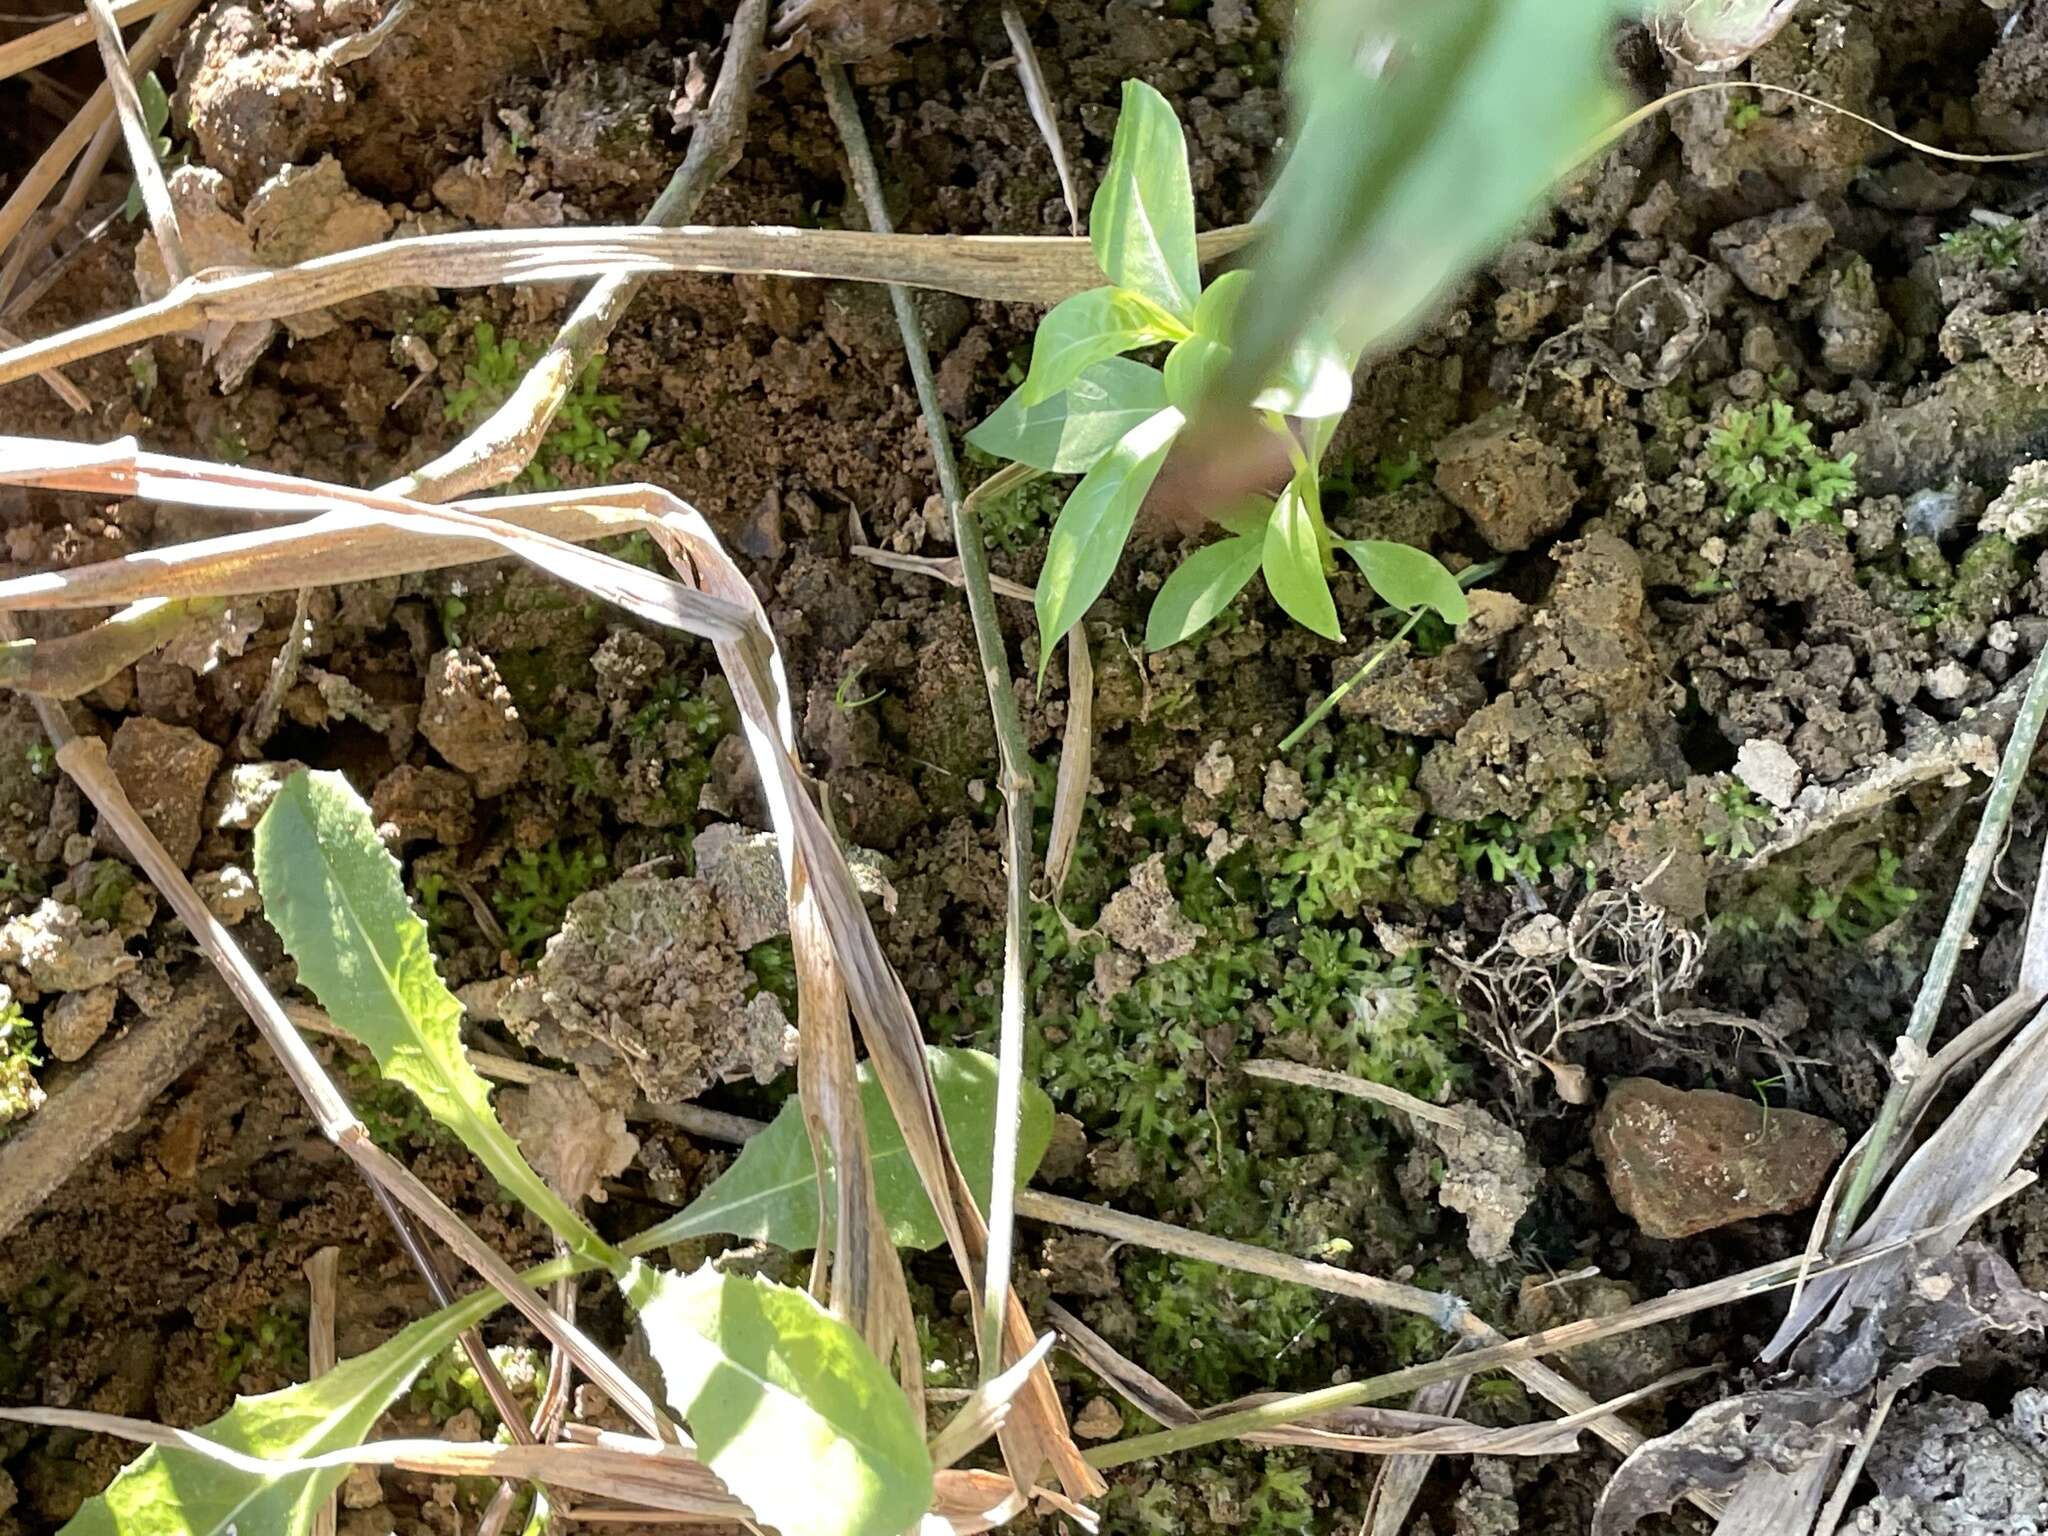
(1068, 433)
(787, 1405)
(1079, 332)
(1202, 587)
(1292, 558)
(1142, 222)
(770, 1193)
(332, 892)
(168, 1492)
(1408, 578)
(1088, 537)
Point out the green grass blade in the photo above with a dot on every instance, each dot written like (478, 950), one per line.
(332, 891)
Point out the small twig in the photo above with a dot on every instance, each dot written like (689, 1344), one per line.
(60, 37)
(1948, 945)
(284, 671)
(505, 443)
(72, 140)
(1023, 269)
(1009, 727)
(320, 1356)
(1357, 1087)
(944, 568)
(149, 171)
(1337, 694)
(1077, 764)
(1038, 96)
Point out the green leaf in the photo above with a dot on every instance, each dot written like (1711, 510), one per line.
(1216, 312)
(156, 106)
(1088, 537)
(788, 1406)
(1190, 369)
(1201, 588)
(770, 1193)
(1423, 133)
(1293, 562)
(1080, 332)
(1069, 432)
(332, 892)
(1142, 222)
(1409, 578)
(1313, 381)
(167, 1492)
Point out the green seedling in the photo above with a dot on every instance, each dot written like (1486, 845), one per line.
(584, 435)
(1762, 459)
(1994, 247)
(1085, 408)
(1746, 820)
(20, 1095)
(848, 695)
(536, 886)
(156, 117)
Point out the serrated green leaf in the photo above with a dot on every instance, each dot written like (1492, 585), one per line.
(1423, 133)
(1142, 222)
(787, 1405)
(770, 1193)
(1201, 588)
(1292, 559)
(1088, 537)
(166, 1492)
(1068, 433)
(1079, 332)
(332, 892)
(1409, 578)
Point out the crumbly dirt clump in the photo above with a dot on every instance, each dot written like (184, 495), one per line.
(643, 989)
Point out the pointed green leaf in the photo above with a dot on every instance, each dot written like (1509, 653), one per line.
(156, 104)
(1409, 578)
(1190, 368)
(332, 892)
(1068, 433)
(1142, 222)
(1088, 537)
(770, 1193)
(1422, 135)
(1216, 312)
(1079, 332)
(788, 1406)
(1313, 381)
(168, 1492)
(1293, 562)
(1201, 588)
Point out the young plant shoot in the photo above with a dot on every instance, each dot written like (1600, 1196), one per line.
(1085, 408)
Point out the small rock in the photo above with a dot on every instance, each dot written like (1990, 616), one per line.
(362, 1488)
(466, 1428)
(244, 793)
(745, 872)
(572, 1140)
(52, 949)
(1620, 1362)
(74, 1023)
(1081, 1264)
(425, 804)
(1683, 1162)
(469, 718)
(230, 893)
(1145, 918)
(1286, 797)
(1066, 1152)
(165, 771)
(1512, 485)
(1489, 1178)
(1769, 771)
(1772, 252)
(1214, 773)
(1098, 1420)
(1948, 681)
(304, 211)
(213, 237)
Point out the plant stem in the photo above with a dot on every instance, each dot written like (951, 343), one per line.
(1372, 662)
(1002, 699)
(1985, 848)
